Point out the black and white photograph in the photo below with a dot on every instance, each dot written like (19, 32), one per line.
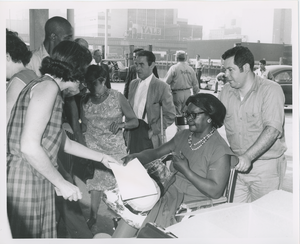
(140, 121)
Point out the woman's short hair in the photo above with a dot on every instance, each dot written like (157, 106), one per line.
(17, 49)
(68, 61)
(94, 73)
(211, 105)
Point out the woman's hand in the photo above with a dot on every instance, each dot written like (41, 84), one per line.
(115, 127)
(180, 163)
(68, 191)
(128, 158)
(108, 159)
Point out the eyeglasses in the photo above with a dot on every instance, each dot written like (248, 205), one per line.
(193, 115)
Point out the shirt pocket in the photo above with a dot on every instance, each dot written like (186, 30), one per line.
(253, 121)
(229, 122)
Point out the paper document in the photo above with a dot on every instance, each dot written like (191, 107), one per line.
(133, 180)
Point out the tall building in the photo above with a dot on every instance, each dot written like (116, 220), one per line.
(150, 24)
(160, 24)
(282, 26)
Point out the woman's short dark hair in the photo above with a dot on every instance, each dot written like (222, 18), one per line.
(68, 61)
(93, 74)
(16, 48)
(211, 105)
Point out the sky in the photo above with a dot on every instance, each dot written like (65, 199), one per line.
(256, 17)
(211, 17)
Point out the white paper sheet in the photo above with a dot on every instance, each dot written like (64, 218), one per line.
(133, 180)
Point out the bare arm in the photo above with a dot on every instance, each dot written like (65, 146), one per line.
(149, 155)
(15, 87)
(37, 116)
(260, 146)
(79, 150)
(131, 119)
(215, 182)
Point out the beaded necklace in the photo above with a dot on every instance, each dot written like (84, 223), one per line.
(201, 141)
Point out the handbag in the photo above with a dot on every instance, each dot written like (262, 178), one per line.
(139, 138)
(159, 171)
(84, 169)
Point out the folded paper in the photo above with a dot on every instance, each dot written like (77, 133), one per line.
(133, 180)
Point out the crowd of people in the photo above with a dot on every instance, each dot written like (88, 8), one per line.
(60, 103)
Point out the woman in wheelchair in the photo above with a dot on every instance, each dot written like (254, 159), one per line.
(200, 158)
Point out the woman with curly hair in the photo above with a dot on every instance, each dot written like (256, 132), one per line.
(34, 135)
(17, 57)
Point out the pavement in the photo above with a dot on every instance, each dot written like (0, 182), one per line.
(104, 227)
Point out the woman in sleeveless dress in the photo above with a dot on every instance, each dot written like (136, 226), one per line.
(34, 135)
(103, 110)
(17, 57)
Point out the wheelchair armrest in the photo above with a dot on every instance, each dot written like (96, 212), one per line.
(195, 205)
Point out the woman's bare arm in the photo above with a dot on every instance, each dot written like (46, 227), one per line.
(37, 116)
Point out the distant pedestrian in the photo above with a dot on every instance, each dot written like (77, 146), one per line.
(181, 77)
(198, 67)
(263, 72)
(97, 56)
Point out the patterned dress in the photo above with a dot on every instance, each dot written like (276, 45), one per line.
(30, 196)
(98, 137)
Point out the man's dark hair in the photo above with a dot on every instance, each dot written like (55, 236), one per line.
(137, 50)
(57, 25)
(68, 61)
(16, 48)
(242, 55)
(263, 62)
(148, 54)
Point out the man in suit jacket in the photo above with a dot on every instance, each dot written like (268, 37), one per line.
(131, 74)
(146, 95)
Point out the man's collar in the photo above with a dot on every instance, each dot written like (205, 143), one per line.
(147, 80)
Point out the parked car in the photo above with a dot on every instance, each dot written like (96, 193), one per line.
(283, 76)
(118, 69)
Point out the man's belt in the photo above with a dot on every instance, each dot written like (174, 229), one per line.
(174, 90)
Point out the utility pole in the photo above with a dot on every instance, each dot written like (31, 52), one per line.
(106, 34)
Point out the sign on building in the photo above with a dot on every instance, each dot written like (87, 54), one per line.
(150, 30)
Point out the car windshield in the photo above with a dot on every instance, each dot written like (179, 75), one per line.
(284, 76)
